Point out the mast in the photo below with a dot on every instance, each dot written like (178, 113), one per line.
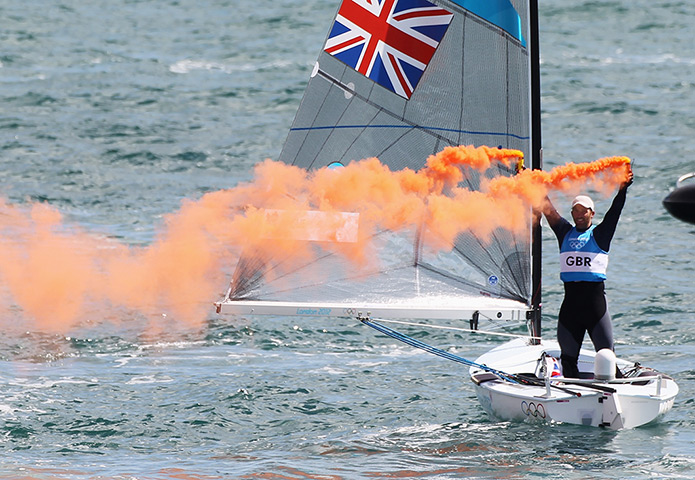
(536, 164)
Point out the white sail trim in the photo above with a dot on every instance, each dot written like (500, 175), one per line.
(425, 308)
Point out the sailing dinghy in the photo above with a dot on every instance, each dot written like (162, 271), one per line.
(401, 80)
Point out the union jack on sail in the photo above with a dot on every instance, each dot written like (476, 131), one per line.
(389, 41)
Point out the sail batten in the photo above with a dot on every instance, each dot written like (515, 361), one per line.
(409, 127)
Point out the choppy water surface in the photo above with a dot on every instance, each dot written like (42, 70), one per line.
(114, 112)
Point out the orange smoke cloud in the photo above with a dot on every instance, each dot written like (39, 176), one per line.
(53, 272)
(445, 167)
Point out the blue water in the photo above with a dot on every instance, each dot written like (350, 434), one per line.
(113, 112)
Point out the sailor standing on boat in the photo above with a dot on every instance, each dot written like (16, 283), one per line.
(583, 261)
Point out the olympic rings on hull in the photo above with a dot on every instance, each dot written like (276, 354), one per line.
(532, 409)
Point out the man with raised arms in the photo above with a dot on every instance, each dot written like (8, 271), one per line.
(583, 261)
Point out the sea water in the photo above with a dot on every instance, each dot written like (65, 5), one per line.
(114, 112)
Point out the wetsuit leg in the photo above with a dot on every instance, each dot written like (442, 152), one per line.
(570, 336)
(602, 332)
(583, 309)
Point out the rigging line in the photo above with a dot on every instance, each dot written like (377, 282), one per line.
(457, 329)
(436, 351)
(508, 377)
(594, 386)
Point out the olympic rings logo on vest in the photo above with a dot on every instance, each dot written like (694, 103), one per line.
(577, 244)
(533, 409)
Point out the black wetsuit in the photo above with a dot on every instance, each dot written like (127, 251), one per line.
(584, 308)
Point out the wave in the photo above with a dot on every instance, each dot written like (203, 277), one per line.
(188, 66)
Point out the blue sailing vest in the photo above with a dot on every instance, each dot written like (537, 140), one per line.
(581, 259)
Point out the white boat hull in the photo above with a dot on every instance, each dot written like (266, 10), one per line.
(614, 404)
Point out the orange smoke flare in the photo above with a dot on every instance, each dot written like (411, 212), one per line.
(444, 168)
(51, 272)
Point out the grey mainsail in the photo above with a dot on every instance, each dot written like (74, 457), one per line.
(374, 93)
